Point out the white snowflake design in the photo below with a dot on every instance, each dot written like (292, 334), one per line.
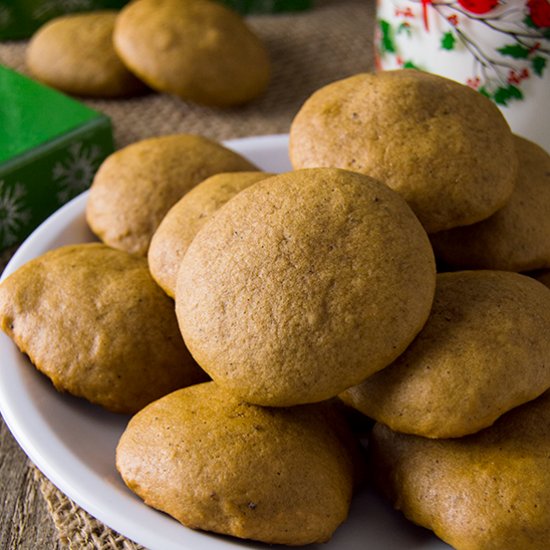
(14, 213)
(74, 173)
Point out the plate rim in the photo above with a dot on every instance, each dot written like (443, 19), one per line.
(34, 447)
(134, 526)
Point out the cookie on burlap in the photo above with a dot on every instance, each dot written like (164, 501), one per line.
(186, 217)
(199, 51)
(303, 285)
(216, 463)
(444, 147)
(136, 186)
(487, 491)
(93, 321)
(483, 351)
(517, 237)
(75, 53)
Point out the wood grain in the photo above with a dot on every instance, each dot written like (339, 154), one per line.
(25, 521)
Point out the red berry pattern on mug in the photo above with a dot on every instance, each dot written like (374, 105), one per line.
(472, 27)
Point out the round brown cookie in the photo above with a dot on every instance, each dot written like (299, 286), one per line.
(136, 186)
(484, 350)
(75, 53)
(93, 320)
(216, 463)
(303, 285)
(517, 237)
(444, 147)
(487, 491)
(200, 51)
(186, 217)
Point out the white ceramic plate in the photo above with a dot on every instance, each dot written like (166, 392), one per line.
(73, 442)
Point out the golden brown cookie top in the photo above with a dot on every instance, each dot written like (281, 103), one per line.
(186, 217)
(136, 186)
(483, 351)
(219, 464)
(517, 237)
(490, 490)
(200, 51)
(75, 53)
(303, 284)
(93, 320)
(444, 147)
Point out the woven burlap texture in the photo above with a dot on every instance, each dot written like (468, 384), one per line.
(77, 529)
(308, 50)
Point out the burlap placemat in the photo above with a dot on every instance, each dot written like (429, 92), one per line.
(308, 50)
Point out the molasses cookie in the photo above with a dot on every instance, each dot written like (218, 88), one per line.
(136, 186)
(216, 463)
(517, 237)
(487, 491)
(304, 284)
(444, 147)
(186, 217)
(199, 51)
(75, 53)
(483, 351)
(93, 321)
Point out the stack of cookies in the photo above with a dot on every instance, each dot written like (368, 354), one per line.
(462, 440)
(309, 294)
(200, 51)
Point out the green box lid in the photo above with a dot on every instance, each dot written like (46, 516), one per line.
(32, 114)
(50, 147)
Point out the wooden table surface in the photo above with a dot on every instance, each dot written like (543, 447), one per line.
(25, 522)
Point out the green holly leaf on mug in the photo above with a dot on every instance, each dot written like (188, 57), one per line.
(529, 22)
(448, 41)
(504, 94)
(517, 51)
(483, 91)
(539, 64)
(386, 41)
(404, 28)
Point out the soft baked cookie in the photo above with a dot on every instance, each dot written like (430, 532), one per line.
(216, 463)
(303, 285)
(136, 186)
(517, 237)
(186, 217)
(75, 53)
(93, 321)
(488, 491)
(199, 51)
(484, 350)
(444, 147)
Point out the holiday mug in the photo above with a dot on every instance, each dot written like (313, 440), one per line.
(501, 48)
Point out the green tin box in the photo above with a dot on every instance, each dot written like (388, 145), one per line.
(50, 147)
